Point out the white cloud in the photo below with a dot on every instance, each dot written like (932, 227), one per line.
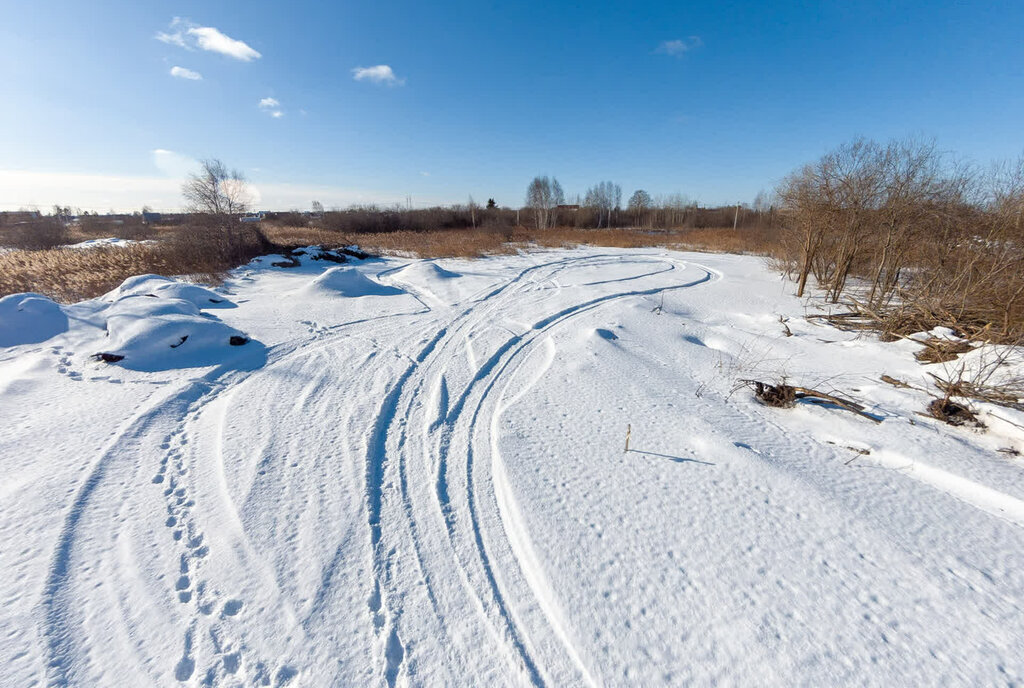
(175, 37)
(679, 46)
(185, 34)
(97, 192)
(379, 74)
(102, 192)
(173, 164)
(213, 40)
(271, 107)
(424, 174)
(182, 73)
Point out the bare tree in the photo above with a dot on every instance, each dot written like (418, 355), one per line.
(543, 195)
(604, 198)
(215, 190)
(639, 203)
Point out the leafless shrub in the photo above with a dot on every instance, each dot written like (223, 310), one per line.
(992, 375)
(36, 234)
(932, 242)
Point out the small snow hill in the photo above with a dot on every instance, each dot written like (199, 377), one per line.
(427, 278)
(349, 282)
(30, 318)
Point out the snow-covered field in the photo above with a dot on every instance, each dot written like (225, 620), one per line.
(414, 472)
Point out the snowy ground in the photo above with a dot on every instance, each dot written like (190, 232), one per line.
(106, 242)
(414, 473)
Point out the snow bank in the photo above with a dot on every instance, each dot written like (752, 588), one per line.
(350, 282)
(30, 318)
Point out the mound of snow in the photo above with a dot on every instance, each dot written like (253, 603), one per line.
(424, 271)
(427, 278)
(164, 287)
(350, 282)
(147, 333)
(30, 318)
(156, 323)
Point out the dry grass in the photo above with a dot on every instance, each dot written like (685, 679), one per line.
(70, 275)
(474, 243)
(941, 350)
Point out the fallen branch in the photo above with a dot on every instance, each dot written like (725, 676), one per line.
(785, 396)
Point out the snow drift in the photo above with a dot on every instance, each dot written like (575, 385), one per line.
(30, 318)
(167, 288)
(152, 333)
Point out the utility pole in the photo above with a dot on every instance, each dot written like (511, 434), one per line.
(736, 217)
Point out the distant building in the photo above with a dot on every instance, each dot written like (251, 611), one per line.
(151, 218)
(253, 217)
(572, 208)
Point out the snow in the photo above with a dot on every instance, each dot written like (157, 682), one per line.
(107, 241)
(348, 282)
(162, 331)
(414, 473)
(165, 287)
(29, 318)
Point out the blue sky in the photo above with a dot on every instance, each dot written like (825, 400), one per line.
(712, 100)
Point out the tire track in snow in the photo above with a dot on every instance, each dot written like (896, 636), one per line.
(445, 503)
(516, 345)
(386, 615)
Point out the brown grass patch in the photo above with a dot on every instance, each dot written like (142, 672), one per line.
(941, 350)
(70, 275)
(207, 252)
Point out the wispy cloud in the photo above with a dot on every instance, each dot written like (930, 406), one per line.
(213, 40)
(189, 36)
(379, 74)
(173, 164)
(182, 73)
(272, 107)
(163, 192)
(679, 46)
